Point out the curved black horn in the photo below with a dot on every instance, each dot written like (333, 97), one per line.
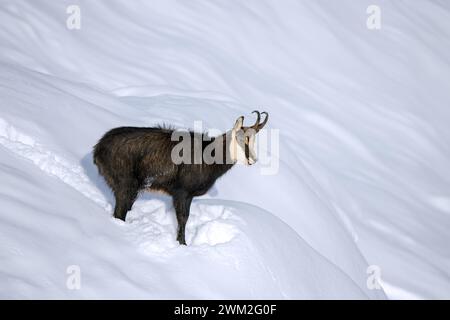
(261, 125)
(258, 118)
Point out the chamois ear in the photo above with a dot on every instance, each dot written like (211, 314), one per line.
(239, 123)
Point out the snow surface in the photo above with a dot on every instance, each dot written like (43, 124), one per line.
(364, 148)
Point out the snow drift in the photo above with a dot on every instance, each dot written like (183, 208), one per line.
(364, 147)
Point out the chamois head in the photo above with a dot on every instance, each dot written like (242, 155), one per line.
(242, 144)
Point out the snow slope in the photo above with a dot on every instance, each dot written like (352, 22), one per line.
(363, 153)
(56, 213)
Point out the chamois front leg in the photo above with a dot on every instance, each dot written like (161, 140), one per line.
(182, 203)
(125, 195)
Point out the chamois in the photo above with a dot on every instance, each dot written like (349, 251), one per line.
(132, 159)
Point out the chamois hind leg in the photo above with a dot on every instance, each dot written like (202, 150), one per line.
(125, 195)
(182, 203)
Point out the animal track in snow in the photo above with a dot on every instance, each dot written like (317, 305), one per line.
(49, 162)
(212, 224)
(152, 225)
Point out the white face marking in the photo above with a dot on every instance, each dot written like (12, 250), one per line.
(239, 140)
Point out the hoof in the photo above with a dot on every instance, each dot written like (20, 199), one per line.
(181, 240)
